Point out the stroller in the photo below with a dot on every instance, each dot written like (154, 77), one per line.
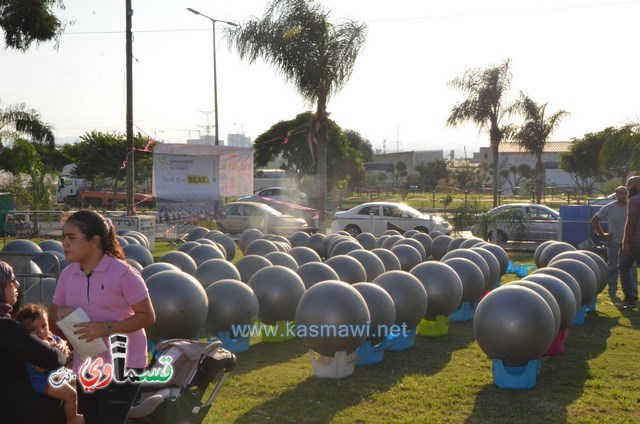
(196, 365)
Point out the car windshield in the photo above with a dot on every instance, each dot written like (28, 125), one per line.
(268, 210)
(413, 213)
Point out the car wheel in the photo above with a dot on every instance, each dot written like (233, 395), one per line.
(422, 229)
(221, 228)
(353, 230)
(502, 237)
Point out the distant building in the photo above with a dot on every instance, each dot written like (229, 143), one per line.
(411, 158)
(205, 139)
(238, 140)
(513, 154)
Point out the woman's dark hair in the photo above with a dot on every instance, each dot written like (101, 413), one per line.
(31, 312)
(91, 223)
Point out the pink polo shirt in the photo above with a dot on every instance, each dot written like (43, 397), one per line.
(106, 295)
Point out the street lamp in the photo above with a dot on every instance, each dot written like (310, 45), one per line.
(215, 78)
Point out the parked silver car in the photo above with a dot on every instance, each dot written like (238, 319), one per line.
(240, 216)
(518, 222)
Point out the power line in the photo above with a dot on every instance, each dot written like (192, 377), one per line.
(413, 18)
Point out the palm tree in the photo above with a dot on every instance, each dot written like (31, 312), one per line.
(485, 89)
(534, 132)
(19, 120)
(318, 56)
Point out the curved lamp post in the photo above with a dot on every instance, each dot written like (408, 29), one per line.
(215, 78)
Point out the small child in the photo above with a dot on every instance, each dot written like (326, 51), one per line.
(36, 319)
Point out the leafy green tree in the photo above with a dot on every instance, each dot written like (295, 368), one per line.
(401, 172)
(37, 192)
(288, 140)
(582, 161)
(314, 53)
(620, 153)
(99, 157)
(20, 121)
(516, 175)
(431, 173)
(534, 132)
(27, 21)
(485, 89)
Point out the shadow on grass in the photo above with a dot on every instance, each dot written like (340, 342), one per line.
(264, 354)
(561, 380)
(316, 399)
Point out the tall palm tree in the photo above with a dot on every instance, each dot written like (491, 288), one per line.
(534, 132)
(483, 106)
(317, 55)
(18, 120)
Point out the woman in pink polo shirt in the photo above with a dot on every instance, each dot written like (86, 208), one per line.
(116, 300)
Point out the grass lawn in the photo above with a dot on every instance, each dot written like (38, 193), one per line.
(446, 379)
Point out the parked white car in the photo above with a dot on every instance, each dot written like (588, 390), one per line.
(520, 222)
(373, 217)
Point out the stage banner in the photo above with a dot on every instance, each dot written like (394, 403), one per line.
(188, 180)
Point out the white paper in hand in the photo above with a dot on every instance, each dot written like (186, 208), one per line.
(80, 347)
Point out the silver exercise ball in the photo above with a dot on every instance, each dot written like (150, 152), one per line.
(248, 236)
(552, 251)
(349, 269)
(282, 258)
(388, 258)
(514, 324)
(196, 233)
(474, 257)
(138, 253)
(583, 275)
(567, 279)
(215, 270)
(231, 303)
(155, 268)
(439, 246)
(304, 255)
(279, 290)
(470, 276)
(315, 272)
(249, 265)
(180, 304)
(331, 306)
(204, 252)
(382, 311)
(546, 295)
(408, 294)
(181, 260)
(561, 292)
(371, 263)
(443, 287)
(500, 254)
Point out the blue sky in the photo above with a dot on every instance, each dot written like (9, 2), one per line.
(580, 56)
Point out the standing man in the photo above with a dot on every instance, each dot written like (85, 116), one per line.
(631, 243)
(616, 215)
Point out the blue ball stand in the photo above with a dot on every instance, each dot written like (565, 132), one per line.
(464, 313)
(232, 344)
(578, 319)
(515, 377)
(368, 354)
(591, 307)
(401, 341)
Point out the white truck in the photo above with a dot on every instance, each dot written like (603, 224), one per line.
(68, 185)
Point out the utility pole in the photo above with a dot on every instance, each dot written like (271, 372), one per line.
(131, 210)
